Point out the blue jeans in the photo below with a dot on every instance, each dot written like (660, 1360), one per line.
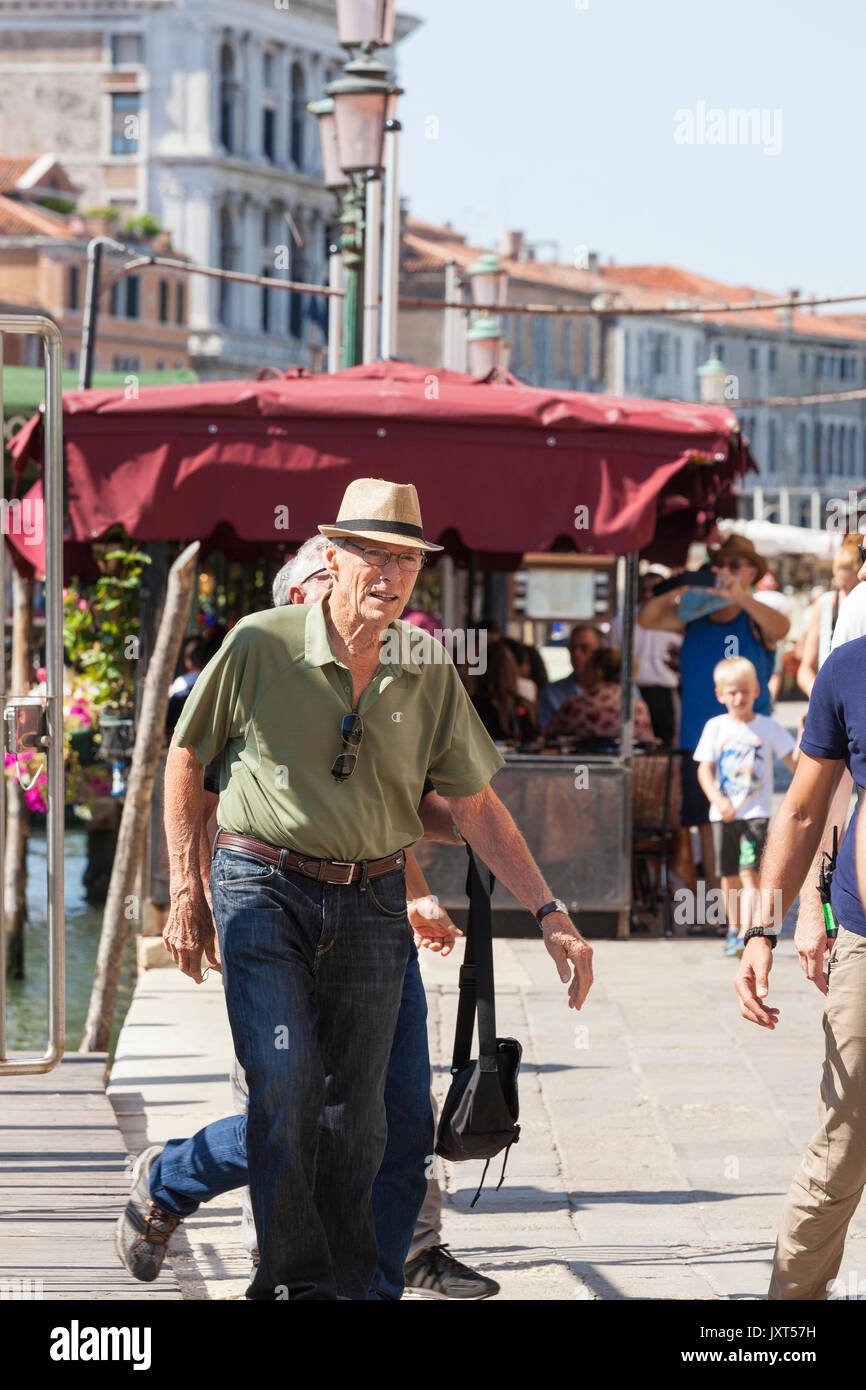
(401, 1183)
(192, 1170)
(313, 976)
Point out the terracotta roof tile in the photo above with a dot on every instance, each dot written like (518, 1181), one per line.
(18, 218)
(426, 248)
(12, 167)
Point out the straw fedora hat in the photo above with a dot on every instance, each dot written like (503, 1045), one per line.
(741, 548)
(374, 510)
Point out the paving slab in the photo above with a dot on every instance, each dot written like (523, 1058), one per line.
(660, 1131)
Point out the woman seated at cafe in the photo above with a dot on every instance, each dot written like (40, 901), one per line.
(597, 712)
(505, 715)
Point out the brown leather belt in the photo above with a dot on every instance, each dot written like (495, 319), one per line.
(323, 870)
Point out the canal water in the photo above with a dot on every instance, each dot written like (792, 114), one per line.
(27, 999)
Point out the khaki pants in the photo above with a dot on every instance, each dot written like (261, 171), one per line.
(825, 1193)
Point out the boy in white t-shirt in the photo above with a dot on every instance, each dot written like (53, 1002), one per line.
(735, 770)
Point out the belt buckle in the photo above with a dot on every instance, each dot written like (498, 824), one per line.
(345, 864)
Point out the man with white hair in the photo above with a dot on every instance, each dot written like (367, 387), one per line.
(329, 747)
(304, 579)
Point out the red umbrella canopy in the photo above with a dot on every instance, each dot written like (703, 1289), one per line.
(500, 467)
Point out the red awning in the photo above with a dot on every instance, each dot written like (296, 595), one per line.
(500, 467)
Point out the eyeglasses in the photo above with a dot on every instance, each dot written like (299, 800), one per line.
(861, 551)
(409, 561)
(732, 565)
(315, 575)
(351, 731)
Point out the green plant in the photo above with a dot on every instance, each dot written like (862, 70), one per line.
(64, 205)
(107, 212)
(144, 226)
(100, 628)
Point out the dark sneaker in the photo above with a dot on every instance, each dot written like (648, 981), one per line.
(143, 1231)
(435, 1273)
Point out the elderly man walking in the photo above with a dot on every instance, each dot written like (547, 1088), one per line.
(329, 745)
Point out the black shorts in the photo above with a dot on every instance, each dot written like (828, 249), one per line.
(696, 808)
(739, 844)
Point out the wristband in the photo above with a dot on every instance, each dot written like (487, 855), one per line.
(762, 931)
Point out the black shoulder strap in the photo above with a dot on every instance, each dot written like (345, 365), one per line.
(476, 972)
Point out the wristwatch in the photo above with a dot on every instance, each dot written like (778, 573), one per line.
(557, 905)
(762, 931)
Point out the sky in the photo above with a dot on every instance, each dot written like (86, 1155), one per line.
(605, 124)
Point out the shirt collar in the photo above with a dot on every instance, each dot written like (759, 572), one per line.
(404, 644)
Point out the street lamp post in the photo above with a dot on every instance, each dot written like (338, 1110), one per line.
(352, 246)
(488, 281)
(391, 238)
(484, 341)
(711, 382)
(365, 23)
(360, 105)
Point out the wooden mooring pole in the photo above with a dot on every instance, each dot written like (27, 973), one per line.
(149, 740)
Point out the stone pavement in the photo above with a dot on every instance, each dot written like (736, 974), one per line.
(660, 1131)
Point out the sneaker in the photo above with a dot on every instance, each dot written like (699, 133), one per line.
(733, 945)
(434, 1273)
(143, 1230)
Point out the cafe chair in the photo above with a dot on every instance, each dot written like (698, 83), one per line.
(656, 811)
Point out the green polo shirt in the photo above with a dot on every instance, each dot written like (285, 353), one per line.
(274, 696)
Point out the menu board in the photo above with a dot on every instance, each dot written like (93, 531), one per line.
(560, 593)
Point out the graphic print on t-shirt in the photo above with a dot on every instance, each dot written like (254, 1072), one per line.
(741, 771)
(741, 755)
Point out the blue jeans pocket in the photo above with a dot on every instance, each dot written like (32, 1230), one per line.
(388, 893)
(241, 869)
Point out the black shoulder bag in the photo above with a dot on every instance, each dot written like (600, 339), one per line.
(479, 1117)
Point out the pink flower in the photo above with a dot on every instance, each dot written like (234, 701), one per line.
(41, 674)
(82, 604)
(34, 798)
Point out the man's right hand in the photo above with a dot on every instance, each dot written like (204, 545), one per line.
(189, 934)
(752, 983)
(726, 809)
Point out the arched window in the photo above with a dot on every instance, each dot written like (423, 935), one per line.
(229, 124)
(297, 302)
(803, 448)
(817, 449)
(273, 253)
(270, 105)
(772, 453)
(298, 142)
(229, 259)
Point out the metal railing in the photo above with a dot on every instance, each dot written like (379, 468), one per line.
(40, 721)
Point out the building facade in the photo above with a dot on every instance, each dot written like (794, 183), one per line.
(194, 111)
(143, 323)
(809, 455)
(566, 353)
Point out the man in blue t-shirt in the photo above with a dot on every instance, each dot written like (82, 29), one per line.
(737, 624)
(827, 1188)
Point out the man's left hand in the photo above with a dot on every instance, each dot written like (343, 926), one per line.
(568, 948)
(432, 926)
